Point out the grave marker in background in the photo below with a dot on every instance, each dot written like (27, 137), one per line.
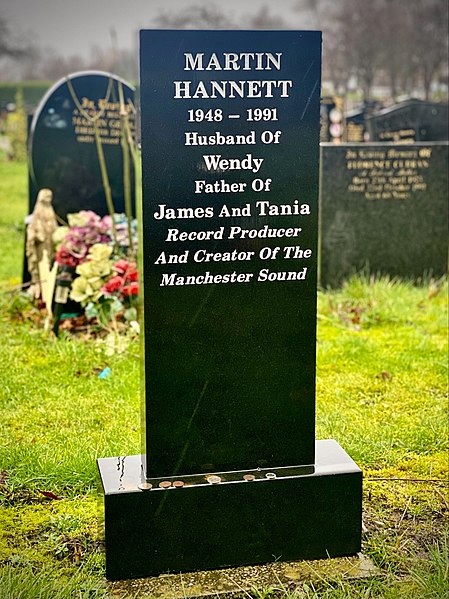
(62, 154)
(355, 120)
(232, 474)
(409, 121)
(383, 209)
(355, 125)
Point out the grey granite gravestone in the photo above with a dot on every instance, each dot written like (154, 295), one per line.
(231, 473)
(383, 210)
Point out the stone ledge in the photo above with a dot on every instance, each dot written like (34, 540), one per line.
(229, 581)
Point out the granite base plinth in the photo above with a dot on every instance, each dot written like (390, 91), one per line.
(198, 522)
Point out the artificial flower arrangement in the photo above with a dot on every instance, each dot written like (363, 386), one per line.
(100, 252)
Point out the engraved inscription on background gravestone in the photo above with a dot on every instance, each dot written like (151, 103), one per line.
(62, 154)
(355, 120)
(383, 208)
(355, 126)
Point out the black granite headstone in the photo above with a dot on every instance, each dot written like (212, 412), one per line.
(230, 250)
(230, 157)
(409, 121)
(383, 210)
(62, 153)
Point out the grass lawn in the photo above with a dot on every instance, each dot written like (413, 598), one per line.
(381, 393)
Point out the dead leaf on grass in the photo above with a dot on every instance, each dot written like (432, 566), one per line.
(49, 495)
(384, 375)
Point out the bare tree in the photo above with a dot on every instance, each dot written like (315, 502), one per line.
(359, 26)
(394, 40)
(13, 49)
(209, 16)
(335, 61)
(429, 48)
(402, 41)
(205, 16)
(264, 20)
(413, 38)
(10, 46)
(317, 14)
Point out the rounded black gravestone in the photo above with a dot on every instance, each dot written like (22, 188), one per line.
(62, 152)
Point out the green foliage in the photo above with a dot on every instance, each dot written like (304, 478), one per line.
(33, 91)
(21, 581)
(16, 129)
(431, 577)
(13, 209)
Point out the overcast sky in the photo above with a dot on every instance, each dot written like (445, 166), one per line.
(74, 26)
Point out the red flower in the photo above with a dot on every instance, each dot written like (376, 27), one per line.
(131, 273)
(127, 270)
(131, 289)
(113, 284)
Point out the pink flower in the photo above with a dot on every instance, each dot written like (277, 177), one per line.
(121, 266)
(106, 222)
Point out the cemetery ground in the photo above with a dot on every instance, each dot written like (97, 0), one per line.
(381, 393)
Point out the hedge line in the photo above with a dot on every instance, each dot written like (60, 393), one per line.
(32, 91)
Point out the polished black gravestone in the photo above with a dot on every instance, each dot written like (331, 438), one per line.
(62, 154)
(409, 121)
(231, 474)
(383, 210)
